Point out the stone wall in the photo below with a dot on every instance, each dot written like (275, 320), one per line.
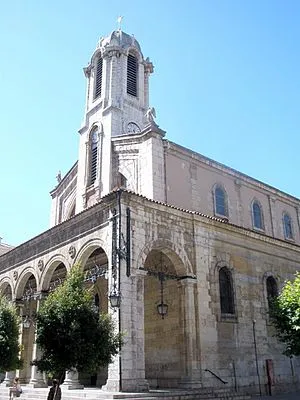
(194, 339)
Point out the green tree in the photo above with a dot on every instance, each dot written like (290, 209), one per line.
(9, 336)
(285, 315)
(71, 333)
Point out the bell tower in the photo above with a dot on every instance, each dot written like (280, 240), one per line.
(117, 99)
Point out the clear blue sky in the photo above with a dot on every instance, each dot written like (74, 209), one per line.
(226, 84)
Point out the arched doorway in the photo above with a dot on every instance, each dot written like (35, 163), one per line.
(96, 268)
(163, 330)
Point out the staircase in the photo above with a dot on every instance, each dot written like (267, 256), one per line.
(97, 394)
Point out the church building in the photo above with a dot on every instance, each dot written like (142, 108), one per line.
(185, 253)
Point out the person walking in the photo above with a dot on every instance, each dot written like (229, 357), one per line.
(55, 391)
(15, 390)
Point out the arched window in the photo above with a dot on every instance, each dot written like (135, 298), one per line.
(97, 302)
(226, 291)
(257, 216)
(132, 75)
(272, 289)
(220, 201)
(94, 139)
(98, 79)
(287, 226)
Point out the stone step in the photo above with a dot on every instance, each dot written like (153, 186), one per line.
(97, 394)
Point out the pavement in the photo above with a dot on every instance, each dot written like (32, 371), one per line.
(281, 396)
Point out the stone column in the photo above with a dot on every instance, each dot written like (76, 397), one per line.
(137, 335)
(71, 381)
(37, 377)
(20, 306)
(10, 375)
(127, 372)
(113, 383)
(191, 361)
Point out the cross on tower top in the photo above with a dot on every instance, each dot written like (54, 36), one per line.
(119, 21)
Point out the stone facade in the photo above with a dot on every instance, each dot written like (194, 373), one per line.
(191, 246)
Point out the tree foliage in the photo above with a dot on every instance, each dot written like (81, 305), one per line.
(9, 336)
(285, 315)
(71, 333)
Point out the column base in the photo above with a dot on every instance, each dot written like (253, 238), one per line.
(71, 386)
(190, 383)
(9, 379)
(6, 383)
(71, 381)
(112, 385)
(142, 386)
(135, 386)
(37, 384)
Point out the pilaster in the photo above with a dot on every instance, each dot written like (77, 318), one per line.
(298, 217)
(240, 217)
(272, 214)
(191, 359)
(127, 372)
(113, 383)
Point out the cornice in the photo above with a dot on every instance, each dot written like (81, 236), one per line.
(68, 176)
(245, 179)
(219, 222)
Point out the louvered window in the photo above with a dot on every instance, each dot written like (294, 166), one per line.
(226, 291)
(94, 139)
(132, 70)
(98, 84)
(94, 162)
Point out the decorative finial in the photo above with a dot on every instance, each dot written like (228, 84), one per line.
(58, 176)
(119, 21)
(150, 116)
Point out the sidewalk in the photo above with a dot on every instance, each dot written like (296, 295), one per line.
(282, 396)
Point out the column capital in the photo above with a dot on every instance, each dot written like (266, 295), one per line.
(188, 281)
(141, 273)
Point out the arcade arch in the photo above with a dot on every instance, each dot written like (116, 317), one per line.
(6, 290)
(94, 261)
(164, 333)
